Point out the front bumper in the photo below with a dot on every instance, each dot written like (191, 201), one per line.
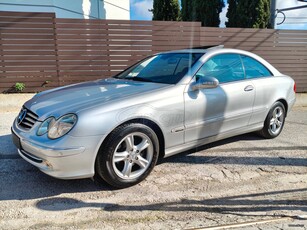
(68, 157)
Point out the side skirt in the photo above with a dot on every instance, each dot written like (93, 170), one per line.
(207, 140)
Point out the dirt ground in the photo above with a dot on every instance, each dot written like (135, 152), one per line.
(238, 180)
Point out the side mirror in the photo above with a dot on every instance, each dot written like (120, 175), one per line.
(205, 82)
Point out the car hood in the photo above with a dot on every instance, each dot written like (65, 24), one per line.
(73, 98)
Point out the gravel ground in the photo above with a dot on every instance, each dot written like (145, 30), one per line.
(240, 179)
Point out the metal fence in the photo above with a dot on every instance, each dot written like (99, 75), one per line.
(44, 52)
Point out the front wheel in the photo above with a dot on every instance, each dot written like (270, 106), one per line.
(128, 155)
(274, 121)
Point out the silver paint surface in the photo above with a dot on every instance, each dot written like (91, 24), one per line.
(187, 118)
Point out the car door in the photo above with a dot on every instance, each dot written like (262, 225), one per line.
(259, 74)
(227, 107)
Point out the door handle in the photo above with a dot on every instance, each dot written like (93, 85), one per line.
(249, 88)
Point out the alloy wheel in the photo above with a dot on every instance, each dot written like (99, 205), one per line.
(133, 155)
(277, 120)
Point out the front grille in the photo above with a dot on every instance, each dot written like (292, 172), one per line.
(26, 119)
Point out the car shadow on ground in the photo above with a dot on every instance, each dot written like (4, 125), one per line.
(246, 205)
(33, 184)
(7, 148)
(22, 181)
(212, 158)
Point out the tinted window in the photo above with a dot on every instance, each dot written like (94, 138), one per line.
(254, 69)
(224, 67)
(162, 68)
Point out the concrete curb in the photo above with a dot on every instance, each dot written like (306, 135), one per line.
(301, 100)
(13, 102)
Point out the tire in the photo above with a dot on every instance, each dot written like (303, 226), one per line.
(128, 155)
(274, 121)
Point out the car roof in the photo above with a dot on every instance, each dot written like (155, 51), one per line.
(202, 49)
(219, 49)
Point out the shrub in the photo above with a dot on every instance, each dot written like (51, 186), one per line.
(19, 87)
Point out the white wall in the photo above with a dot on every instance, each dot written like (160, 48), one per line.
(117, 9)
(104, 9)
(17, 5)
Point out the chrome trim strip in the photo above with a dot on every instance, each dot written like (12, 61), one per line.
(31, 114)
(216, 119)
(30, 119)
(207, 140)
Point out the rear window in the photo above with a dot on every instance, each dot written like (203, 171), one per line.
(254, 69)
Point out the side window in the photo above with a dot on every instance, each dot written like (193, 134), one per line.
(224, 67)
(254, 69)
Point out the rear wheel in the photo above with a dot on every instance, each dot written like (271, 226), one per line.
(274, 121)
(128, 155)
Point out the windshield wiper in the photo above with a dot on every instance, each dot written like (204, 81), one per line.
(139, 79)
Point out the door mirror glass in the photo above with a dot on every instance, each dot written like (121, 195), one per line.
(205, 82)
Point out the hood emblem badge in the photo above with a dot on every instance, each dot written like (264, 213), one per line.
(21, 116)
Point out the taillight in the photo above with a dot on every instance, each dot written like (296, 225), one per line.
(294, 87)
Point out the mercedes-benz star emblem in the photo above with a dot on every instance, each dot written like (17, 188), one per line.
(21, 115)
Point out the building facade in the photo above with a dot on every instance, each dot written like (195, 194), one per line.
(87, 9)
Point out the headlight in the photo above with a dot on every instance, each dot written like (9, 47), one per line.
(57, 128)
(44, 127)
(63, 125)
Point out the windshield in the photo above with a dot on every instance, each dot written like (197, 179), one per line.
(162, 68)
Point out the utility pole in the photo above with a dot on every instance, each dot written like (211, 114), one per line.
(273, 13)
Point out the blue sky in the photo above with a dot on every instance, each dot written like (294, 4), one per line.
(296, 19)
(139, 9)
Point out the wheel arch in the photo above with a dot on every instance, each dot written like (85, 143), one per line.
(145, 121)
(284, 102)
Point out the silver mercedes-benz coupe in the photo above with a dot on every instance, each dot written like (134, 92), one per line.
(116, 129)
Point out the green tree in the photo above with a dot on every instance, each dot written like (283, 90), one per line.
(232, 13)
(248, 14)
(165, 10)
(205, 11)
(186, 10)
(263, 14)
(208, 12)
